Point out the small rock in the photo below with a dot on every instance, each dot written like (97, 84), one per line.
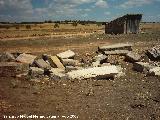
(36, 72)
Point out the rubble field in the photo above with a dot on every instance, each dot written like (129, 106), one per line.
(94, 77)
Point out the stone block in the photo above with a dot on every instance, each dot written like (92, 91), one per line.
(57, 74)
(118, 46)
(116, 52)
(70, 62)
(101, 58)
(55, 62)
(42, 64)
(154, 53)
(95, 72)
(36, 72)
(132, 57)
(26, 58)
(142, 67)
(155, 71)
(66, 55)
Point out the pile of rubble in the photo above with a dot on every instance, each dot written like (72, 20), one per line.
(64, 66)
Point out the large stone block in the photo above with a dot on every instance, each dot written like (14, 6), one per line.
(70, 62)
(42, 64)
(57, 74)
(55, 62)
(101, 58)
(154, 53)
(95, 72)
(142, 67)
(116, 52)
(26, 58)
(118, 46)
(133, 57)
(66, 55)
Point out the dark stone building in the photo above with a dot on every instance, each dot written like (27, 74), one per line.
(126, 24)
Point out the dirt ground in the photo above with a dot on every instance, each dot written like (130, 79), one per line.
(133, 96)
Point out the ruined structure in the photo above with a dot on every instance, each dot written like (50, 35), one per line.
(126, 24)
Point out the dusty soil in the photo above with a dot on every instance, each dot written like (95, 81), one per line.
(131, 97)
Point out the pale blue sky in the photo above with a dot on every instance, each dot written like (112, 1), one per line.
(98, 10)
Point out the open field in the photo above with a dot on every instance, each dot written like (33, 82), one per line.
(130, 97)
(46, 29)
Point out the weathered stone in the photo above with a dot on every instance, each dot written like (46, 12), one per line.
(142, 67)
(101, 58)
(71, 68)
(57, 74)
(9, 69)
(36, 72)
(55, 62)
(7, 57)
(154, 53)
(57, 70)
(116, 52)
(26, 58)
(70, 62)
(42, 64)
(133, 57)
(95, 72)
(96, 64)
(155, 71)
(66, 55)
(105, 64)
(45, 57)
(118, 46)
(16, 54)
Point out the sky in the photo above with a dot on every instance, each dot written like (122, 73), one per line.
(95, 10)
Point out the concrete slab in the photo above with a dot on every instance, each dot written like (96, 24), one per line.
(66, 55)
(95, 72)
(42, 64)
(118, 46)
(26, 58)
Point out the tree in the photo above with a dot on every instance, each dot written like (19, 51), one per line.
(74, 24)
(28, 27)
(56, 25)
